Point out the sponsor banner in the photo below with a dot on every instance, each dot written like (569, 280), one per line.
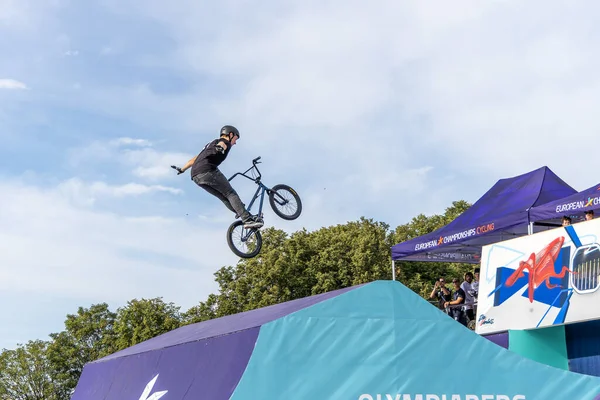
(549, 278)
(479, 230)
(446, 256)
(388, 396)
(577, 205)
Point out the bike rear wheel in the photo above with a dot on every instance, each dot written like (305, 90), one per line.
(284, 196)
(244, 242)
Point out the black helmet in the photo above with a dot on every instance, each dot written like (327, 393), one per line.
(227, 129)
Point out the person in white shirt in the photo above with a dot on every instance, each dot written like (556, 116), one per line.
(467, 287)
(475, 284)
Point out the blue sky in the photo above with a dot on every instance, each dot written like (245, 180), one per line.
(384, 111)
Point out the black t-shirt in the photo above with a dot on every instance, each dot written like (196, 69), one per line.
(459, 293)
(456, 310)
(442, 298)
(210, 158)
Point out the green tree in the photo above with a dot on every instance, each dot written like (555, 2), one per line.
(88, 336)
(26, 373)
(350, 254)
(300, 265)
(202, 312)
(144, 319)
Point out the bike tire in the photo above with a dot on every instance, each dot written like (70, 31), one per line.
(235, 249)
(273, 201)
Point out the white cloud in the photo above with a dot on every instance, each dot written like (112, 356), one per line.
(137, 156)
(129, 189)
(12, 84)
(445, 84)
(153, 172)
(106, 50)
(477, 96)
(56, 249)
(26, 14)
(123, 141)
(154, 165)
(87, 193)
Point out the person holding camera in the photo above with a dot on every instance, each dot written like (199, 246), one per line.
(440, 292)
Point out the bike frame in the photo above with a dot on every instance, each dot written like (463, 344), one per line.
(262, 188)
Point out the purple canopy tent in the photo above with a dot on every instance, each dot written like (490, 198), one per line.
(501, 213)
(574, 206)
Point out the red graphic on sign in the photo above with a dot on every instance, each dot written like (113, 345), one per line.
(540, 267)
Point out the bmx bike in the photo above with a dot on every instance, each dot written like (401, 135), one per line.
(247, 242)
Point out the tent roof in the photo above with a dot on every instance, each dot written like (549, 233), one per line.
(224, 325)
(500, 214)
(574, 205)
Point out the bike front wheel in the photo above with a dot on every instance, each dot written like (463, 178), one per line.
(244, 242)
(285, 202)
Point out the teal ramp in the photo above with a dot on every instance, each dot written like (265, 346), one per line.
(382, 341)
(545, 345)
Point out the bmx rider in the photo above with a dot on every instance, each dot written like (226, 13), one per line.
(206, 174)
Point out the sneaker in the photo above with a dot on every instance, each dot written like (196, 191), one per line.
(253, 222)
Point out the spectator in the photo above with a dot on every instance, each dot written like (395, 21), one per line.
(589, 215)
(566, 221)
(441, 292)
(467, 288)
(475, 284)
(456, 310)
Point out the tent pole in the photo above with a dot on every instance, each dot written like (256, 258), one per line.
(393, 270)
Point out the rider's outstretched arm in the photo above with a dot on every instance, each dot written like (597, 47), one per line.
(188, 164)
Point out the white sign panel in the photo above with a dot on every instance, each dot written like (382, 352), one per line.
(549, 278)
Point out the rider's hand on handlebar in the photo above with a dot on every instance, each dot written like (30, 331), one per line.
(179, 170)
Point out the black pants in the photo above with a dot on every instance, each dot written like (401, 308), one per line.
(459, 315)
(470, 313)
(215, 183)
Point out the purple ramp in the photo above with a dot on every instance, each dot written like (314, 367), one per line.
(224, 325)
(199, 361)
(206, 369)
(501, 339)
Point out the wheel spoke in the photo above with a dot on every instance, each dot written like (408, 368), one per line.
(244, 240)
(287, 202)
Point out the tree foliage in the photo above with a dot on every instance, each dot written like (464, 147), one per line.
(290, 266)
(144, 319)
(88, 336)
(26, 373)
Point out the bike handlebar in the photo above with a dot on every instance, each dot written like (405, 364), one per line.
(254, 162)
